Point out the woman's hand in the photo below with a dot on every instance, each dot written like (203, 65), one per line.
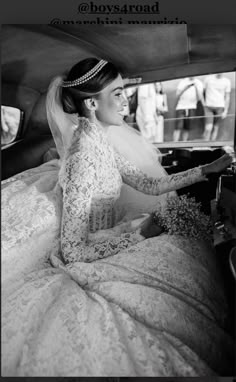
(218, 165)
(150, 228)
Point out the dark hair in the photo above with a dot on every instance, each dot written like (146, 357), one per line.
(72, 97)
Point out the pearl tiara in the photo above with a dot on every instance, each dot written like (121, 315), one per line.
(86, 77)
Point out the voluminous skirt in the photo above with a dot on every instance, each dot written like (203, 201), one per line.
(155, 309)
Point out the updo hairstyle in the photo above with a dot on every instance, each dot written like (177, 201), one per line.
(72, 97)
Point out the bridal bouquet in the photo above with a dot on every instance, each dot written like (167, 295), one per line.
(183, 216)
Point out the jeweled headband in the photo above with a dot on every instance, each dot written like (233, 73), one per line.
(86, 77)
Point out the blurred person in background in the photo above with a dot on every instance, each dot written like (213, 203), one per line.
(161, 109)
(189, 92)
(217, 100)
(146, 110)
(131, 94)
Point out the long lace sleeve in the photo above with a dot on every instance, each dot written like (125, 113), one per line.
(156, 186)
(79, 184)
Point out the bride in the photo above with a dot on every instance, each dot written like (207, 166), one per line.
(88, 288)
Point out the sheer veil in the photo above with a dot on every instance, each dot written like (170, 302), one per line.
(140, 152)
(62, 125)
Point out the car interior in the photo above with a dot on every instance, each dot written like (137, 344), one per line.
(33, 54)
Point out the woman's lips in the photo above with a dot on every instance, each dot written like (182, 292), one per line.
(122, 113)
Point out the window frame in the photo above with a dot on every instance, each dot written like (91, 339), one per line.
(20, 126)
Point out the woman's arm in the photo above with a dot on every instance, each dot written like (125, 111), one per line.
(78, 182)
(156, 186)
(153, 186)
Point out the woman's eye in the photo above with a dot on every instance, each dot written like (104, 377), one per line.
(118, 94)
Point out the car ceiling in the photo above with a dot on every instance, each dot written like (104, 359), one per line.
(33, 54)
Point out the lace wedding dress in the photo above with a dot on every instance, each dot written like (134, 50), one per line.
(83, 294)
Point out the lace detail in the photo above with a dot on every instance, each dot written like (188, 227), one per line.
(91, 185)
(153, 186)
(156, 308)
(151, 310)
(32, 203)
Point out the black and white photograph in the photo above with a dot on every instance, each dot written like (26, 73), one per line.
(118, 230)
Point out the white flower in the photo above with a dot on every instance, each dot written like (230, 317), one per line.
(183, 216)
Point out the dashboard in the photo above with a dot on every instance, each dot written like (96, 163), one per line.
(223, 212)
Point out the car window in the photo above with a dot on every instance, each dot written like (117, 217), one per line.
(191, 109)
(11, 121)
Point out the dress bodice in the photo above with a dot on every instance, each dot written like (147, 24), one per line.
(108, 185)
(103, 176)
(91, 178)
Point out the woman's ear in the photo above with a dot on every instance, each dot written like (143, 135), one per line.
(91, 104)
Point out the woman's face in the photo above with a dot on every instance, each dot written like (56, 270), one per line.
(111, 104)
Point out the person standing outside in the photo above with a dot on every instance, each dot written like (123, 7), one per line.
(217, 100)
(189, 92)
(146, 111)
(161, 109)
